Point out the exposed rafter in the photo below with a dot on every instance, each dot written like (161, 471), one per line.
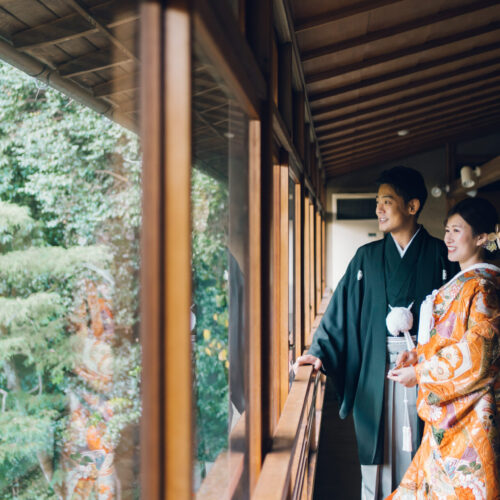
(337, 14)
(405, 116)
(398, 73)
(428, 20)
(327, 123)
(401, 53)
(74, 26)
(435, 140)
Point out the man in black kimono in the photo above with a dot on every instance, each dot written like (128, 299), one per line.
(352, 343)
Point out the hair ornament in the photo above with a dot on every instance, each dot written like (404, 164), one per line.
(493, 242)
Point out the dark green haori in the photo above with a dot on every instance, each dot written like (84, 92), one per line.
(351, 338)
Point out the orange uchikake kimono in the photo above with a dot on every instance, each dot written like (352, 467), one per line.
(459, 393)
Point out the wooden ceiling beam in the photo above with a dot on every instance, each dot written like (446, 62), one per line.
(381, 144)
(123, 84)
(92, 61)
(87, 14)
(74, 26)
(337, 14)
(390, 138)
(392, 129)
(420, 110)
(329, 74)
(328, 123)
(466, 131)
(426, 21)
(417, 68)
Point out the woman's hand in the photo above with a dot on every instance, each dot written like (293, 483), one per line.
(406, 358)
(405, 376)
(307, 359)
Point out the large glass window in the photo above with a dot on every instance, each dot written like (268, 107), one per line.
(70, 219)
(220, 268)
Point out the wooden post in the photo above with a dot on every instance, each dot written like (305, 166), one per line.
(178, 441)
(299, 344)
(152, 320)
(254, 412)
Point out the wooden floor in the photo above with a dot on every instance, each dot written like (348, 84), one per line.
(338, 473)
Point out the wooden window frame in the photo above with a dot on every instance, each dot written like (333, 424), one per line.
(166, 53)
(280, 256)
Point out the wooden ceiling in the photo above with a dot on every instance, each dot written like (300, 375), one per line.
(373, 68)
(87, 49)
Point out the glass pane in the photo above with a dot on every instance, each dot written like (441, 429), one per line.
(220, 252)
(70, 219)
(291, 278)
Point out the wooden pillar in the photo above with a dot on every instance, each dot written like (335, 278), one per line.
(166, 424)
(152, 327)
(177, 265)
(259, 34)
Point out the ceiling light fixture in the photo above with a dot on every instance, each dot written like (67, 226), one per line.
(403, 132)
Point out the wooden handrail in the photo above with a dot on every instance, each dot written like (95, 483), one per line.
(285, 470)
(289, 468)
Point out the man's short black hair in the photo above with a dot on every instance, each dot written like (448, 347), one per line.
(407, 182)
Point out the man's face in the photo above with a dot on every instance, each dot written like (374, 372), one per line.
(392, 212)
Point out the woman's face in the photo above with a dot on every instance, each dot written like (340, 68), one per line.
(463, 246)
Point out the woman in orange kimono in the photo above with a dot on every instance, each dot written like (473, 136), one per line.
(457, 365)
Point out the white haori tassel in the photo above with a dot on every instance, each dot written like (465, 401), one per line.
(400, 319)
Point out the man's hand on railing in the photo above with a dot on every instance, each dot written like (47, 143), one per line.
(307, 359)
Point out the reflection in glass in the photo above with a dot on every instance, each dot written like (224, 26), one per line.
(70, 218)
(219, 260)
(69, 260)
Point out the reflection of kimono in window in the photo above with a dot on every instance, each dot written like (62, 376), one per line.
(352, 343)
(459, 391)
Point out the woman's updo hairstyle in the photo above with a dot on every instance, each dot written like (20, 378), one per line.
(481, 216)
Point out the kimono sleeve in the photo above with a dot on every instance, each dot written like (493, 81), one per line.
(469, 363)
(336, 341)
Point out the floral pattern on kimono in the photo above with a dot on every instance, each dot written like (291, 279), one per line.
(457, 373)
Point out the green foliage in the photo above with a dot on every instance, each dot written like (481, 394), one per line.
(39, 269)
(210, 297)
(70, 200)
(17, 229)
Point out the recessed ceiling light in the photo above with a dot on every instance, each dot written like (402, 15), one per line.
(403, 132)
(229, 135)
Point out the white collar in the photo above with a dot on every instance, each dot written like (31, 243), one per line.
(401, 250)
(482, 265)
